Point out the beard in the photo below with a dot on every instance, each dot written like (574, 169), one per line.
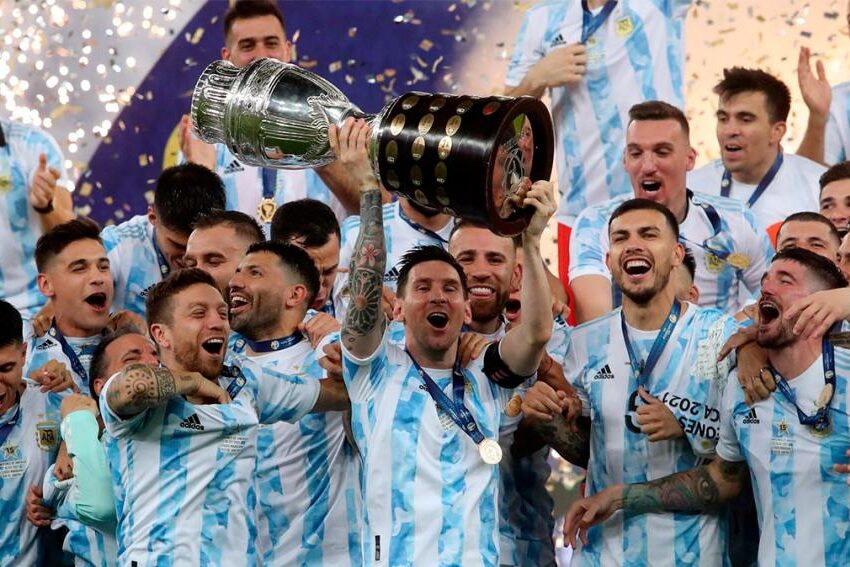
(777, 339)
(189, 357)
(645, 295)
(261, 319)
(484, 312)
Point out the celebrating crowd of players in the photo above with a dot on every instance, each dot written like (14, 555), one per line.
(294, 368)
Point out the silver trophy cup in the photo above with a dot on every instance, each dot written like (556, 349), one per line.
(464, 155)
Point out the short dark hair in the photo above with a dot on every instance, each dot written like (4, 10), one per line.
(739, 80)
(99, 361)
(809, 216)
(158, 302)
(837, 172)
(824, 270)
(244, 9)
(659, 110)
(55, 240)
(690, 263)
(184, 192)
(245, 226)
(308, 221)
(516, 241)
(11, 325)
(645, 205)
(420, 254)
(296, 259)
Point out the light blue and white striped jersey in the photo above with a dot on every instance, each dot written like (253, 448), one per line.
(837, 142)
(20, 227)
(183, 474)
(308, 511)
(25, 455)
(689, 381)
(526, 508)
(243, 186)
(636, 55)
(741, 240)
(399, 237)
(134, 262)
(803, 504)
(41, 350)
(795, 189)
(428, 497)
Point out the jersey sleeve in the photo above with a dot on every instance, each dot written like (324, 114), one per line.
(587, 250)
(364, 377)
(283, 397)
(833, 147)
(528, 49)
(678, 9)
(758, 249)
(574, 373)
(728, 447)
(91, 492)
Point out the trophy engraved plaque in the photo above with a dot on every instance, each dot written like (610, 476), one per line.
(472, 157)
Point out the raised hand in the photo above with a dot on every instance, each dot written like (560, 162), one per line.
(43, 186)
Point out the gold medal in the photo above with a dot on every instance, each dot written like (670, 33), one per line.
(825, 396)
(490, 451)
(738, 261)
(266, 209)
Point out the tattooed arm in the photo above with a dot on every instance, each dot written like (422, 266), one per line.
(571, 441)
(703, 489)
(139, 387)
(365, 321)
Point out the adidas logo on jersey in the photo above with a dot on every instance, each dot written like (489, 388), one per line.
(45, 345)
(751, 417)
(392, 275)
(233, 167)
(559, 40)
(192, 422)
(604, 373)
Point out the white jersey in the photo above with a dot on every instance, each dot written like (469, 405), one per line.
(428, 497)
(43, 349)
(243, 186)
(20, 227)
(183, 473)
(135, 261)
(736, 255)
(837, 141)
(25, 455)
(636, 55)
(794, 189)
(688, 380)
(803, 504)
(306, 479)
(400, 235)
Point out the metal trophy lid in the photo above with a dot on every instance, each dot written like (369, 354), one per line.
(209, 100)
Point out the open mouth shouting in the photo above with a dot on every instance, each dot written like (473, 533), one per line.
(438, 320)
(636, 267)
(650, 185)
(97, 301)
(239, 303)
(214, 346)
(732, 151)
(768, 311)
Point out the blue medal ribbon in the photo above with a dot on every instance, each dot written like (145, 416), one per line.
(820, 420)
(164, 266)
(238, 380)
(716, 228)
(329, 308)
(419, 228)
(590, 23)
(270, 345)
(455, 410)
(269, 182)
(7, 427)
(642, 370)
(726, 182)
(76, 364)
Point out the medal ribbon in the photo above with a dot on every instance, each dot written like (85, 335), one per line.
(455, 410)
(238, 381)
(726, 183)
(273, 345)
(419, 228)
(76, 364)
(7, 427)
(820, 420)
(164, 266)
(590, 23)
(716, 227)
(269, 182)
(641, 370)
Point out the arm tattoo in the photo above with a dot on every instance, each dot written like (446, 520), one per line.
(366, 275)
(690, 491)
(574, 446)
(140, 387)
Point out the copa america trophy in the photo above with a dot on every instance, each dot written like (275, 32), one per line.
(465, 155)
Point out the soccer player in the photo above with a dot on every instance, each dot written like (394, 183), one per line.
(648, 378)
(74, 273)
(182, 440)
(730, 248)
(254, 29)
(835, 196)
(811, 231)
(29, 439)
(34, 199)
(218, 243)
(146, 248)
(426, 427)
(596, 58)
(752, 109)
(84, 502)
(789, 443)
(305, 475)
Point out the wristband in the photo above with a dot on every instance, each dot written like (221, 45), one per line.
(44, 210)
